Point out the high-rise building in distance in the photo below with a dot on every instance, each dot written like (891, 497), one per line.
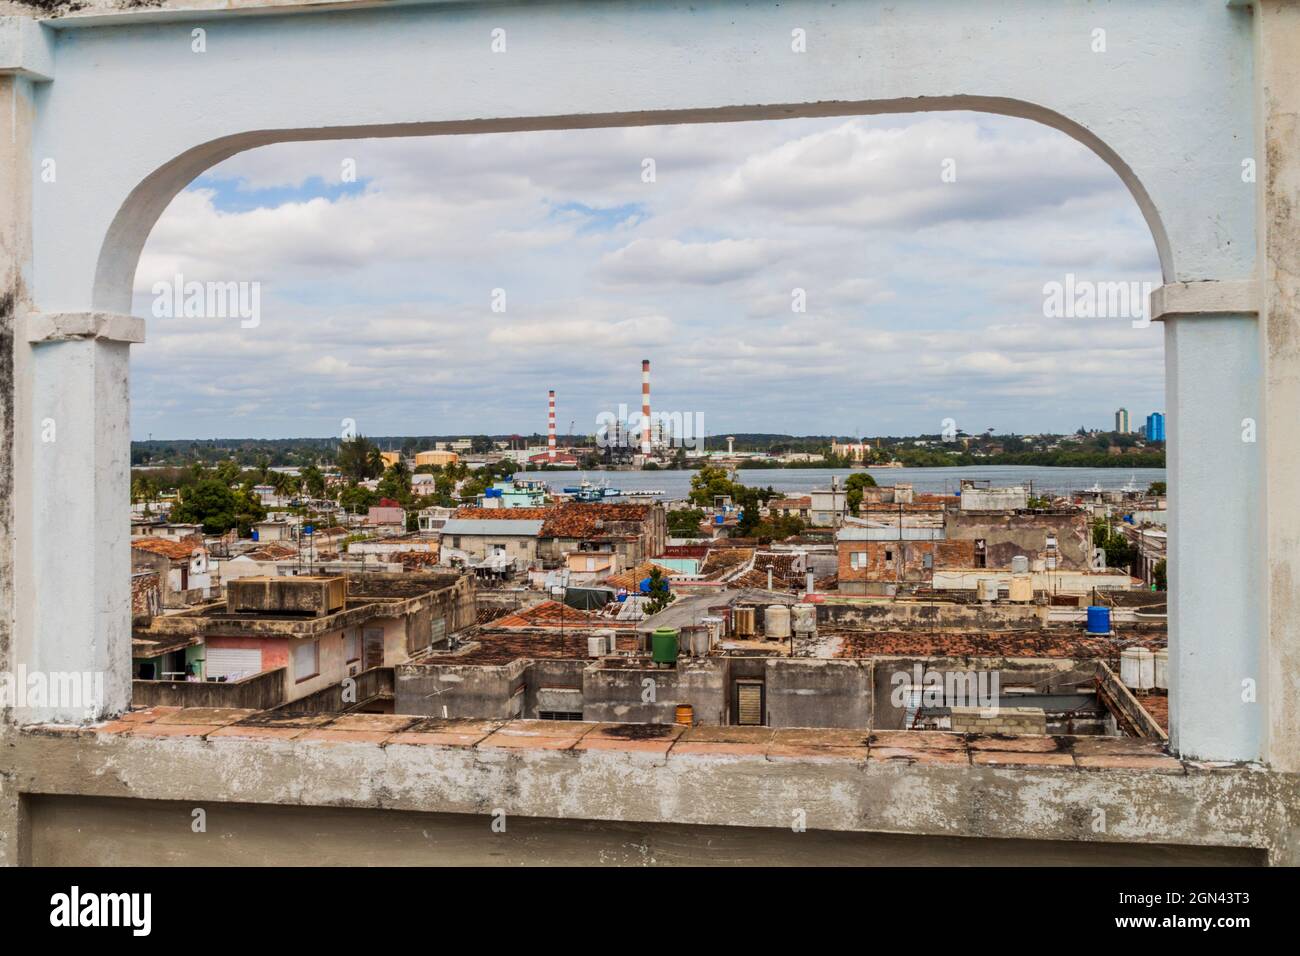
(1156, 426)
(1121, 421)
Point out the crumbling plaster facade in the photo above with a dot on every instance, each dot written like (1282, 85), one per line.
(1184, 96)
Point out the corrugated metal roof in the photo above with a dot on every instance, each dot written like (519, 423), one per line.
(522, 527)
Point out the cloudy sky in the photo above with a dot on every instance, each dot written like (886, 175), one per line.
(924, 297)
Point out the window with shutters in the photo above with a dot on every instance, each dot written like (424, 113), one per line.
(306, 661)
(352, 646)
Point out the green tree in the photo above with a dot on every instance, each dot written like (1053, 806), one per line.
(853, 489)
(685, 522)
(285, 484)
(711, 482)
(750, 502)
(248, 509)
(660, 594)
(208, 502)
(1160, 574)
(357, 498)
(396, 484)
(1119, 552)
(313, 481)
(779, 527)
(227, 472)
(359, 459)
(1157, 488)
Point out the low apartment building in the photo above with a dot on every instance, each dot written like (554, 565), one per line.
(526, 537)
(311, 631)
(182, 565)
(1062, 540)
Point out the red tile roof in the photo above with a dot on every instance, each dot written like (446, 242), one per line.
(632, 577)
(573, 520)
(589, 520)
(551, 614)
(176, 550)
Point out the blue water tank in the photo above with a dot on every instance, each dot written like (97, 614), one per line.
(254, 534)
(718, 519)
(644, 586)
(492, 493)
(1098, 620)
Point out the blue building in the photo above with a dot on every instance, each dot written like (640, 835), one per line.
(1156, 426)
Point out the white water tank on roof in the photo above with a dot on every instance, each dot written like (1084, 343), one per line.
(805, 618)
(986, 589)
(776, 622)
(714, 625)
(1019, 564)
(1146, 669)
(1162, 669)
(1130, 667)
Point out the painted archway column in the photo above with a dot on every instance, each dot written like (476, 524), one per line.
(1216, 627)
(80, 464)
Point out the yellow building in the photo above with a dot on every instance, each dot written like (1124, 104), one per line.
(391, 458)
(439, 458)
(854, 451)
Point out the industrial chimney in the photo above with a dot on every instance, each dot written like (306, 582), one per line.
(645, 406)
(550, 426)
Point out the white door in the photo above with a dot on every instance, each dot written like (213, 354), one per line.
(233, 662)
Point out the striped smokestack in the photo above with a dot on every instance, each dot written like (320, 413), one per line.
(550, 425)
(645, 406)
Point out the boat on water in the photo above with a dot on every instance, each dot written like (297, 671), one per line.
(590, 491)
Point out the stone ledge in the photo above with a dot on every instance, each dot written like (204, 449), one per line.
(78, 326)
(1212, 297)
(998, 749)
(1043, 788)
(25, 49)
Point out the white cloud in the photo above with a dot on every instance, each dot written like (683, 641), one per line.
(921, 295)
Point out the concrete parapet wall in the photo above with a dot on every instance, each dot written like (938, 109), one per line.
(727, 776)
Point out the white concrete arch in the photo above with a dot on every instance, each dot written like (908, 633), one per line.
(131, 112)
(130, 227)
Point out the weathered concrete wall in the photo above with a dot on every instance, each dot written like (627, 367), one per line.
(813, 694)
(1048, 676)
(153, 833)
(1015, 721)
(15, 262)
(719, 784)
(1008, 535)
(622, 695)
(312, 596)
(1277, 512)
(902, 614)
(554, 685)
(900, 562)
(260, 692)
(460, 690)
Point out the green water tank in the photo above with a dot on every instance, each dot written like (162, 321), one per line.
(663, 645)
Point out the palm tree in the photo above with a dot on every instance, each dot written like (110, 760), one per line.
(286, 485)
